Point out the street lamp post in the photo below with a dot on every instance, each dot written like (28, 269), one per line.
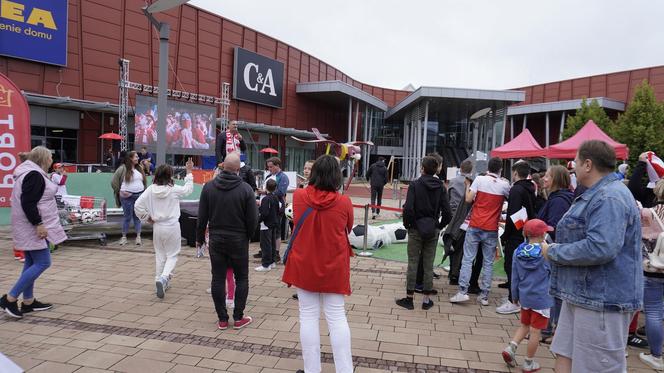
(164, 30)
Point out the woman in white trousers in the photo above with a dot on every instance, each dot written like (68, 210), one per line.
(318, 263)
(160, 205)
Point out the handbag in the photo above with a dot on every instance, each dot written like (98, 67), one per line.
(656, 257)
(284, 257)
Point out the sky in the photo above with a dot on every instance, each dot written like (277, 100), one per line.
(486, 44)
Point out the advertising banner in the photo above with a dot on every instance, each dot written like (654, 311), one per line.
(14, 134)
(257, 79)
(34, 30)
(190, 128)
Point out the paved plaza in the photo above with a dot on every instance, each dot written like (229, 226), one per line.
(107, 318)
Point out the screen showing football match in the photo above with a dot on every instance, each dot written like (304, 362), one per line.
(190, 128)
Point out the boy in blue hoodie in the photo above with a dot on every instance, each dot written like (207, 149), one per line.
(530, 289)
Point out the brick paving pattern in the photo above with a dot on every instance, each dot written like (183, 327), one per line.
(107, 319)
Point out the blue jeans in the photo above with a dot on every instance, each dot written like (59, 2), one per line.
(653, 291)
(36, 262)
(555, 315)
(128, 214)
(477, 239)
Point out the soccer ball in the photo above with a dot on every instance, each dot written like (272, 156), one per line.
(86, 217)
(289, 211)
(396, 233)
(375, 237)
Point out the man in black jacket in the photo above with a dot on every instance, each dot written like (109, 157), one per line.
(246, 174)
(228, 208)
(638, 184)
(377, 176)
(229, 141)
(426, 211)
(522, 196)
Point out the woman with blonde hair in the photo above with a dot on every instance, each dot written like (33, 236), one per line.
(557, 182)
(35, 225)
(128, 183)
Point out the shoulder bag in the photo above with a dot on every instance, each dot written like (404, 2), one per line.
(284, 258)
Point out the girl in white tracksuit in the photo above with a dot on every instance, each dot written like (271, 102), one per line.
(160, 205)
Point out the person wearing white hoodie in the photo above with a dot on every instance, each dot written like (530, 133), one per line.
(160, 205)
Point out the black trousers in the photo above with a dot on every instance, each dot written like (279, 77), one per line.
(376, 198)
(268, 246)
(510, 248)
(456, 259)
(229, 252)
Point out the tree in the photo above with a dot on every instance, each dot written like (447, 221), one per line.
(641, 126)
(585, 113)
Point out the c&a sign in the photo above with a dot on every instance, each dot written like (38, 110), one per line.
(14, 134)
(257, 79)
(34, 30)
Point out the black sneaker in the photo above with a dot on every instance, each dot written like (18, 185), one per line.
(10, 307)
(634, 341)
(406, 303)
(258, 255)
(295, 297)
(474, 290)
(504, 285)
(426, 306)
(35, 306)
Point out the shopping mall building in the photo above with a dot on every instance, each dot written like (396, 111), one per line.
(71, 84)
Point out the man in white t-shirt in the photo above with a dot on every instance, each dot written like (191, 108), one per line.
(59, 177)
(487, 194)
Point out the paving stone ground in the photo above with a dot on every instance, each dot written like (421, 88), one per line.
(107, 319)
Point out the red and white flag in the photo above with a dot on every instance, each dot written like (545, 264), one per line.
(655, 168)
(519, 218)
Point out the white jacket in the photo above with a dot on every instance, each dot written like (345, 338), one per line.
(162, 202)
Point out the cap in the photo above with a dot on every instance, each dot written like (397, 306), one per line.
(536, 227)
(57, 165)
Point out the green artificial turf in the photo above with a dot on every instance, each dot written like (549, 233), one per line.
(397, 252)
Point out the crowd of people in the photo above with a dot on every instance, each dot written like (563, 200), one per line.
(583, 244)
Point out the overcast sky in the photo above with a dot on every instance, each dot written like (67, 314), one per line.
(471, 44)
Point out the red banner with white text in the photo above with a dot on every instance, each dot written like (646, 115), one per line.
(14, 134)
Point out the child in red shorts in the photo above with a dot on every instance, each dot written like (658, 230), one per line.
(530, 289)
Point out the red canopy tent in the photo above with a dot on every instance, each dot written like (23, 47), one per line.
(568, 148)
(522, 146)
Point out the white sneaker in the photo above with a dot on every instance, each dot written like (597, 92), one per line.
(508, 308)
(161, 287)
(263, 269)
(138, 241)
(273, 265)
(230, 303)
(482, 300)
(123, 241)
(446, 268)
(459, 297)
(208, 290)
(651, 361)
(529, 367)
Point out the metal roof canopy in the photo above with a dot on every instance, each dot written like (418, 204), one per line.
(337, 91)
(566, 105)
(479, 98)
(70, 103)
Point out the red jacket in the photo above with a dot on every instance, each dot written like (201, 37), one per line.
(319, 260)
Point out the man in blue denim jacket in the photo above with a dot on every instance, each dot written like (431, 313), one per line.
(596, 267)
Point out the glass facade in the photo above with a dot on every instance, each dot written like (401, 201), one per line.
(62, 141)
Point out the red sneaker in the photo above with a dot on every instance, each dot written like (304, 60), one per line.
(222, 325)
(239, 324)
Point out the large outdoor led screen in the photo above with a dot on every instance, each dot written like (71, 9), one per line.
(190, 128)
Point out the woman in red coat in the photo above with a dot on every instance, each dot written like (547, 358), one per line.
(319, 263)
